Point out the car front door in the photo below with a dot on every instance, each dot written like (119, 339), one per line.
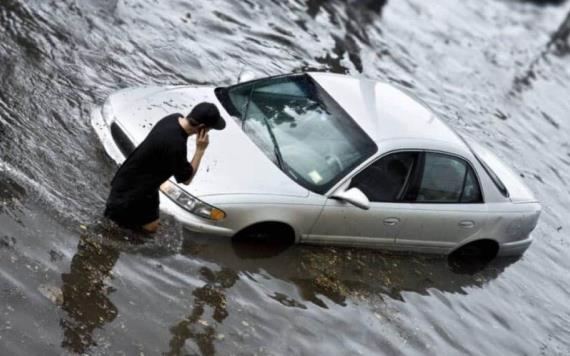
(445, 204)
(383, 182)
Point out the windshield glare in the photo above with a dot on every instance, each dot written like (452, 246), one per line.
(300, 128)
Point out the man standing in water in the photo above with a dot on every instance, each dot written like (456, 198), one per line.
(134, 199)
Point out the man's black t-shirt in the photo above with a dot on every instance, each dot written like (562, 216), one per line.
(133, 200)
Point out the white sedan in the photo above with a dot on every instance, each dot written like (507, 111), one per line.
(324, 158)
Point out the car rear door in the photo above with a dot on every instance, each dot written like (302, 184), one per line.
(383, 182)
(445, 204)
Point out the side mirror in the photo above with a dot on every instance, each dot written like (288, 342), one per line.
(355, 197)
(245, 76)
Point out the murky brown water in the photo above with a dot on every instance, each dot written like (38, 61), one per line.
(498, 70)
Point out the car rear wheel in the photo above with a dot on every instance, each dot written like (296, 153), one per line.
(474, 256)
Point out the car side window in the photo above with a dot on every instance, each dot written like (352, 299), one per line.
(447, 179)
(471, 190)
(386, 179)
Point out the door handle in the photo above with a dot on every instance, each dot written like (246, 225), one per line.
(391, 221)
(466, 224)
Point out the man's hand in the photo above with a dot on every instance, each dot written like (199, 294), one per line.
(202, 140)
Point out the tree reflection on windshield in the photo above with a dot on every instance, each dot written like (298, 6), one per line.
(300, 128)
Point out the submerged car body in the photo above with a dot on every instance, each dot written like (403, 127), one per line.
(334, 160)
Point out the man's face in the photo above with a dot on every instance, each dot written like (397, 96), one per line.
(203, 127)
(199, 127)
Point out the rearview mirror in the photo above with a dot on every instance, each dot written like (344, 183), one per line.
(355, 197)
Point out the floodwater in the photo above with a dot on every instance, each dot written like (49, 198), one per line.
(498, 70)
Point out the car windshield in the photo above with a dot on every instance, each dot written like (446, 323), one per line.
(300, 128)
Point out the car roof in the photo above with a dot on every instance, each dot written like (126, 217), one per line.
(387, 113)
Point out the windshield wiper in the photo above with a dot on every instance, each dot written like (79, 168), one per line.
(276, 150)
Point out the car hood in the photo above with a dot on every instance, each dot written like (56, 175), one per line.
(233, 164)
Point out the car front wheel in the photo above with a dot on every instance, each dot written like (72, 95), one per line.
(268, 232)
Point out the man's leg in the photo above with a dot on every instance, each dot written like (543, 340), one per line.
(152, 227)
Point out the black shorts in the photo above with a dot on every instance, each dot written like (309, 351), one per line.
(134, 213)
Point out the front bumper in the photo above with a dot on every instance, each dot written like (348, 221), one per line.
(103, 131)
(190, 221)
(515, 248)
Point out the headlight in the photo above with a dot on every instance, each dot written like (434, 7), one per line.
(107, 111)
(191, 203)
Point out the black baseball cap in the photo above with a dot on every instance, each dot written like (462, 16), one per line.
(207, 114)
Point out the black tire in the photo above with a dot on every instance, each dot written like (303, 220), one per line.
(474, 256)
(267, 233)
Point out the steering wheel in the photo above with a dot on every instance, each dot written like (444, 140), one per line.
(333, 159)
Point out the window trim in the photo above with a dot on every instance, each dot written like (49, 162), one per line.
(463, 185)
(409, 178)
(366, 164)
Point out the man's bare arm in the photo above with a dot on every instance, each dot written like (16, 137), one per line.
(202, 142)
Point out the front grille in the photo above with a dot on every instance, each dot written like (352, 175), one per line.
(122, 140)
